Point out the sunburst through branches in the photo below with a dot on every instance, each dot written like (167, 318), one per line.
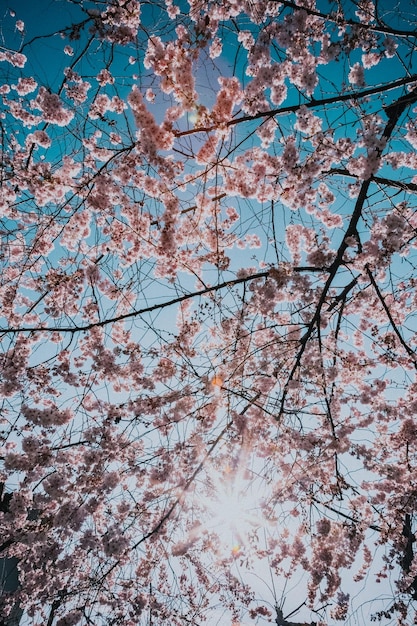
(231, 505)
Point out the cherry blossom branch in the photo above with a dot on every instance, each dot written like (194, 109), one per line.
(349, 21)
(154, 307)
(344, 515)
(65, 29)
(193, 208)
(394, 111)
(341, 297)
(328, 403)
(411, 187)
(310, 104)
(187, 485)
(381, 298)
(55, 605)
(281, 621)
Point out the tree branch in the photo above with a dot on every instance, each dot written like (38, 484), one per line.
(154, 307)
(311, 104)
(394, 112)
(281, 621)
(394, 327)
(389, 182)
(355, 24)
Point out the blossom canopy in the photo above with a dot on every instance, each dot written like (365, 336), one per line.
(208, 311)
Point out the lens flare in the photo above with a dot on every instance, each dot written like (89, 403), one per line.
(232, 507)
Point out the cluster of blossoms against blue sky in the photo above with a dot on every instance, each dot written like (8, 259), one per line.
(207, 295)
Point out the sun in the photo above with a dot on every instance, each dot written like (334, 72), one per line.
(231, 506)
(228, 506)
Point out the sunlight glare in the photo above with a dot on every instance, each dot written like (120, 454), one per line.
(232, 508)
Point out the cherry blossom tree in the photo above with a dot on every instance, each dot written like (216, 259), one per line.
(208, 311)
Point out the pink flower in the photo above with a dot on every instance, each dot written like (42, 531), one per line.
(215, 48)
(105, 78)
(51, 107)
(14, 58)
(25, 85)
(40, 138)
(356, 75)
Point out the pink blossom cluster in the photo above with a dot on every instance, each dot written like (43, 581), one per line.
(307, 122)
(366, 11)
(152, 137)
(357, 75)
(52, 108)
(17, 59)
(115, 543)
(304, 74)
(370, 59)
(96, 152)
(297, 31)
(39, 137)
(19, 112)
(207, 152)
(119, 22)
(78, 93)
(411, 134)
(102, 103)
(77, 228)
(266, 132)
(51, 415)
(216, 48)
(172, 9)
(228, 96)
(390, 47)
(14, 363)
(173, 62)
(371, 138)
(104, 77)
(25, 85)
(388, 236)
(46, 185)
